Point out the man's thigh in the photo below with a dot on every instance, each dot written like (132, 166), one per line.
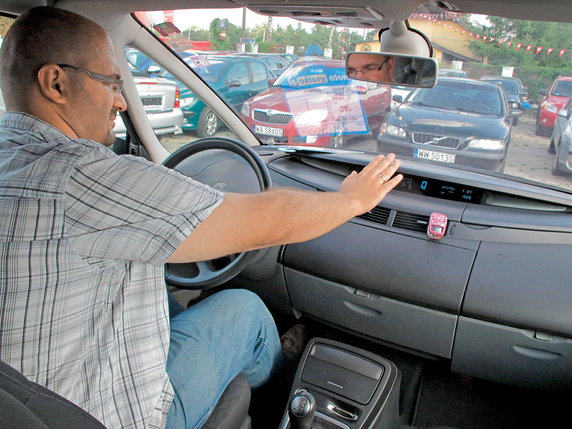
(228, 333)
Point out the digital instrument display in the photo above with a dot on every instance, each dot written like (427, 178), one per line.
(440, 189)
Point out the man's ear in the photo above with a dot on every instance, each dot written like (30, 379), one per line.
(53, 82)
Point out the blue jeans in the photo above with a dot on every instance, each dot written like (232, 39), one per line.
(228, 333)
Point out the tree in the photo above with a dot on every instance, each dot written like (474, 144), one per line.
(196, 33)
(536, 34)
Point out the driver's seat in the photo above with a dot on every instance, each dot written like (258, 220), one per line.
(25, 404)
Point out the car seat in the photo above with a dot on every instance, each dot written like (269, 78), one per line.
(25, 404)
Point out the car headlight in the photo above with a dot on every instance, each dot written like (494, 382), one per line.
(245, 110)
(486, 144)
(549, 107)
(312, 117)
(187, 100)
(393, 130)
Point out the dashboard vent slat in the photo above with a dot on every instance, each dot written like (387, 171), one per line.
(377, 215)
(411, 221)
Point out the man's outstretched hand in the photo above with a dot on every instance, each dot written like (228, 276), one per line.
(368, 187)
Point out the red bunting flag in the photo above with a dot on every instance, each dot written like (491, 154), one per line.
(509, 43)
(538, 50)
(518, 46)
(528, 48)
(485, 38)
(562, 52)
(549, 51)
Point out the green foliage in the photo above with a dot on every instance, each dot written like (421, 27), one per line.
(544, 34)
(232, 37)
(196, 33)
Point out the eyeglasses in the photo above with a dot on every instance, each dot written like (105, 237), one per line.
(367, 68)
(116, 84)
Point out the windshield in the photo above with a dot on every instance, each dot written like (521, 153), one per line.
(462, 96)
(510, 86)
(462, 123)
(563, 89)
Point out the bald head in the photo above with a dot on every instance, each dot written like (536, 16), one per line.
(40, 36)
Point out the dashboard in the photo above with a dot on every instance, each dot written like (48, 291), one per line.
(491, 297)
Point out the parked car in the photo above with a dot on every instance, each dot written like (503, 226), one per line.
(161, 100)
(274, 62)
(554, 98)
(452, 73)
(315, 103)
(458, 122)
(514, 91)
(561, 141)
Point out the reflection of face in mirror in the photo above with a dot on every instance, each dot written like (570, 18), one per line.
(374, 67)
(392, 69)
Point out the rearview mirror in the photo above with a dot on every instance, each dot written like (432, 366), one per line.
(392, 69)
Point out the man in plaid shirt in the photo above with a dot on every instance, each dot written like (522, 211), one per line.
(84, 235)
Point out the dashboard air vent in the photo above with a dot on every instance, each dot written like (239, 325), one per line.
(377, 215)
(413, 222)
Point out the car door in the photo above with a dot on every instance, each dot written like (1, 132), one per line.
(236, 88)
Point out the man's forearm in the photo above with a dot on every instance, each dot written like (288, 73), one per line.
(281, 216)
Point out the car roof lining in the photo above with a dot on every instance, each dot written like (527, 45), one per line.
(368, 13)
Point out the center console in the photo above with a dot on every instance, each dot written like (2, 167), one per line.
(338, 386)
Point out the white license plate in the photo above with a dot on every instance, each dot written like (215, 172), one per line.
(268, 131)
(434, 156)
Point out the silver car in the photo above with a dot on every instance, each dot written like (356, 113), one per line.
(161, 101)
(561, 141)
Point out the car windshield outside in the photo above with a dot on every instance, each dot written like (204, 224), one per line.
(323, 123)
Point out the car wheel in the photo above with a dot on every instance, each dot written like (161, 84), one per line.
(555, 165)
(540, 130)
(208, 123)
(338, 141)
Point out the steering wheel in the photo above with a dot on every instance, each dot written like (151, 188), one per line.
(208, 274)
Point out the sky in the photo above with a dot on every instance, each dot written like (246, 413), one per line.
(203, 17)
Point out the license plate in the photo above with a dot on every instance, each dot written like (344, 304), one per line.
(434, 156)
(152, 101)
(268, 131)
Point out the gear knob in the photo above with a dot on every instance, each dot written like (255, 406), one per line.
(301, 410)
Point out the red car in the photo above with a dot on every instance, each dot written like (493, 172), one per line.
(554, 99)
(314, 103)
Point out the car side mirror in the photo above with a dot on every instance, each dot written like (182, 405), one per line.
(397, 98)
(233, 84)
(392, 69)
(153, 69)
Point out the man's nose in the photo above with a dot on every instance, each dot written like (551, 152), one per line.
(119, 102)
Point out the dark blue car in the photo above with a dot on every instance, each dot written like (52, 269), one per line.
(459, 121)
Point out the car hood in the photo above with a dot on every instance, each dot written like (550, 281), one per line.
(448, 122)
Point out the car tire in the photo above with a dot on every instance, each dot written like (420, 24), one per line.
(208, 123)
(540, 130)
(555, 167)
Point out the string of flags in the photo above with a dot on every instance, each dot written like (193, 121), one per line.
(446, 21)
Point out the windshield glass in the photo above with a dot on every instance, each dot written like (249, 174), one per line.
(460, 96)
(462, 123)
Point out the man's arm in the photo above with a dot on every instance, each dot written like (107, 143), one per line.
(251, 221)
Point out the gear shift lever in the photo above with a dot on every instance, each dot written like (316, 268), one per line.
(301, 410)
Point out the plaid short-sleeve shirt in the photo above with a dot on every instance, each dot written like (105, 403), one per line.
(84, 234)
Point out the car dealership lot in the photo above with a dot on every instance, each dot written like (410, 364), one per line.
(527, 157)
